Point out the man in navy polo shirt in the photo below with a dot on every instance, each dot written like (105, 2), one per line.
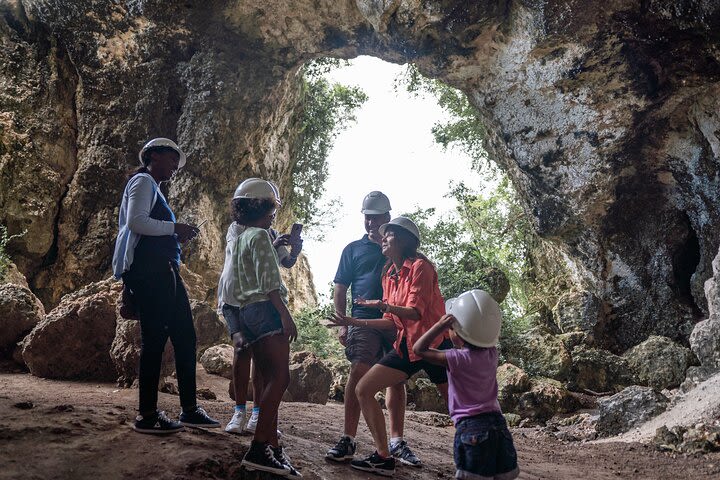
(360, 269)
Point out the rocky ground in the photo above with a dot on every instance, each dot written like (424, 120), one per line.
(75, 430)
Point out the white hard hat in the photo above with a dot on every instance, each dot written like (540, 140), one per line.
(162, 142)
(375, 203)
(404, 223)
(257, 188)
(478, 318)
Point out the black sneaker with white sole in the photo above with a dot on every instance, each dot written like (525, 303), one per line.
(344, 450)
(376, 464)
(198, 418)
(402, 452)
(282, 457)
(260, 456)
(156, 424)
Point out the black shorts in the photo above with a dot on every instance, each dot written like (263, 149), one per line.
(436, 373)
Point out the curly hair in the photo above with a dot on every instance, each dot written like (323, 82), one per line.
(248, 210)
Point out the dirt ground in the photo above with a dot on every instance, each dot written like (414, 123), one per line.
(74, 430)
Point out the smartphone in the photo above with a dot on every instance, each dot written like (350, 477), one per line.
(295, 232)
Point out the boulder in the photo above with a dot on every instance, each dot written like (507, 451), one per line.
(196, 287)
(512, 381)
(310, 379)
(705, 342)
(577, 311)
(658, 362)
(218, 360)
(210, 329)
(545, 398)
(598, 370)
(73, 341)
(340, 370)
(14, 276)
(628, 408)
(20, 312)
(539, 354)
(125, 353)
(425, 395)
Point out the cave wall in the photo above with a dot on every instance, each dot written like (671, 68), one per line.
(604, 114)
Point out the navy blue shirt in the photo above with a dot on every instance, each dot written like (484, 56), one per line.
(165, 247)
(361, 265)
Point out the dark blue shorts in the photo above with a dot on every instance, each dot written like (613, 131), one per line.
(484, 448)
(253, 322)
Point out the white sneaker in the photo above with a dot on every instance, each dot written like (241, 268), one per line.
(252, 425)
(237, 422)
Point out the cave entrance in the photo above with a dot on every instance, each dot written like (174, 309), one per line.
(420, 142)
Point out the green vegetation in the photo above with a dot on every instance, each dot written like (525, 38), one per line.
(325, 110)
(314, 336)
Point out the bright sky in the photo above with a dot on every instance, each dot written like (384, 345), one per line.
(390, 148)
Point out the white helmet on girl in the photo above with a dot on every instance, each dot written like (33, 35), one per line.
(478, 318)
(257, 188)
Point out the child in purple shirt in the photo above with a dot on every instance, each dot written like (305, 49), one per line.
(483, 446)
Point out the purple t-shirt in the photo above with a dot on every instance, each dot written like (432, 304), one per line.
(472, 382)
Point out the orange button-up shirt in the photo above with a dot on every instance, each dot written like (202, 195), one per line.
(416, 286)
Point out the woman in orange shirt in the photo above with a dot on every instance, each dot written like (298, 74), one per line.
(412, 304)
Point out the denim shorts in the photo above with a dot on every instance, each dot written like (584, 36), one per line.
(253, 322)
(484, 448)
(368, 345)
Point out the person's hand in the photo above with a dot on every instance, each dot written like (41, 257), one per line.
(185, 232)
(378, 304)
(296, 248)
(282, 240)
(338, 320)
(342, 336)
(289, 328)
(375, 237)
(447, 321)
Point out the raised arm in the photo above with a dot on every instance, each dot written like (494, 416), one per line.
(422, 348)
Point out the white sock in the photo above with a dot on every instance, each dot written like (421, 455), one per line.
(395, 440)
(352, 439)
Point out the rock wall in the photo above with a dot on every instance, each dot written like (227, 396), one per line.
(604, 114)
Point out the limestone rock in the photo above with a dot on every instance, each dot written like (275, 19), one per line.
(310, 379)
(512, 381)
(628, 408)
(425, 395)
(14, 276)
(340, 370)
(705, 342)
(598, 370)
(73, 341)
(577, 311)
(218, 360)
(20, 311)
(539, 354)
(210, 329)
(659, 362)
(545, 398)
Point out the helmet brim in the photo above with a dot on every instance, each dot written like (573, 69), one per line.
(374, 212)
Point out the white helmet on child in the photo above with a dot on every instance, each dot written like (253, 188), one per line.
(257, 188)
(478, 318)
(375, 203)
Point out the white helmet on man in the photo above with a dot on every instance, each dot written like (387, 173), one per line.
(257, 188)
(162, 142)
(404, 223)
(478, 318)
(375, 203)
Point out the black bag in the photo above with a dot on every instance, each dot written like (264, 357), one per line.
(128, 309)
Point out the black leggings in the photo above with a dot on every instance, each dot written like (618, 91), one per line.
(164, 311)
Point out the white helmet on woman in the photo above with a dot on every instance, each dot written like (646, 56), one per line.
(478, 318)
(162, 142)
(404, 223)
(257, 188)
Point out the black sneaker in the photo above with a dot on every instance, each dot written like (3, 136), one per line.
(402, 452)
(261, 457)
(281, 457)
(198, 418)
(344, 450)
(157, 424)
(375, 464)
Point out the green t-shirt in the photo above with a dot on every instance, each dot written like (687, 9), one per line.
(257, 270)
